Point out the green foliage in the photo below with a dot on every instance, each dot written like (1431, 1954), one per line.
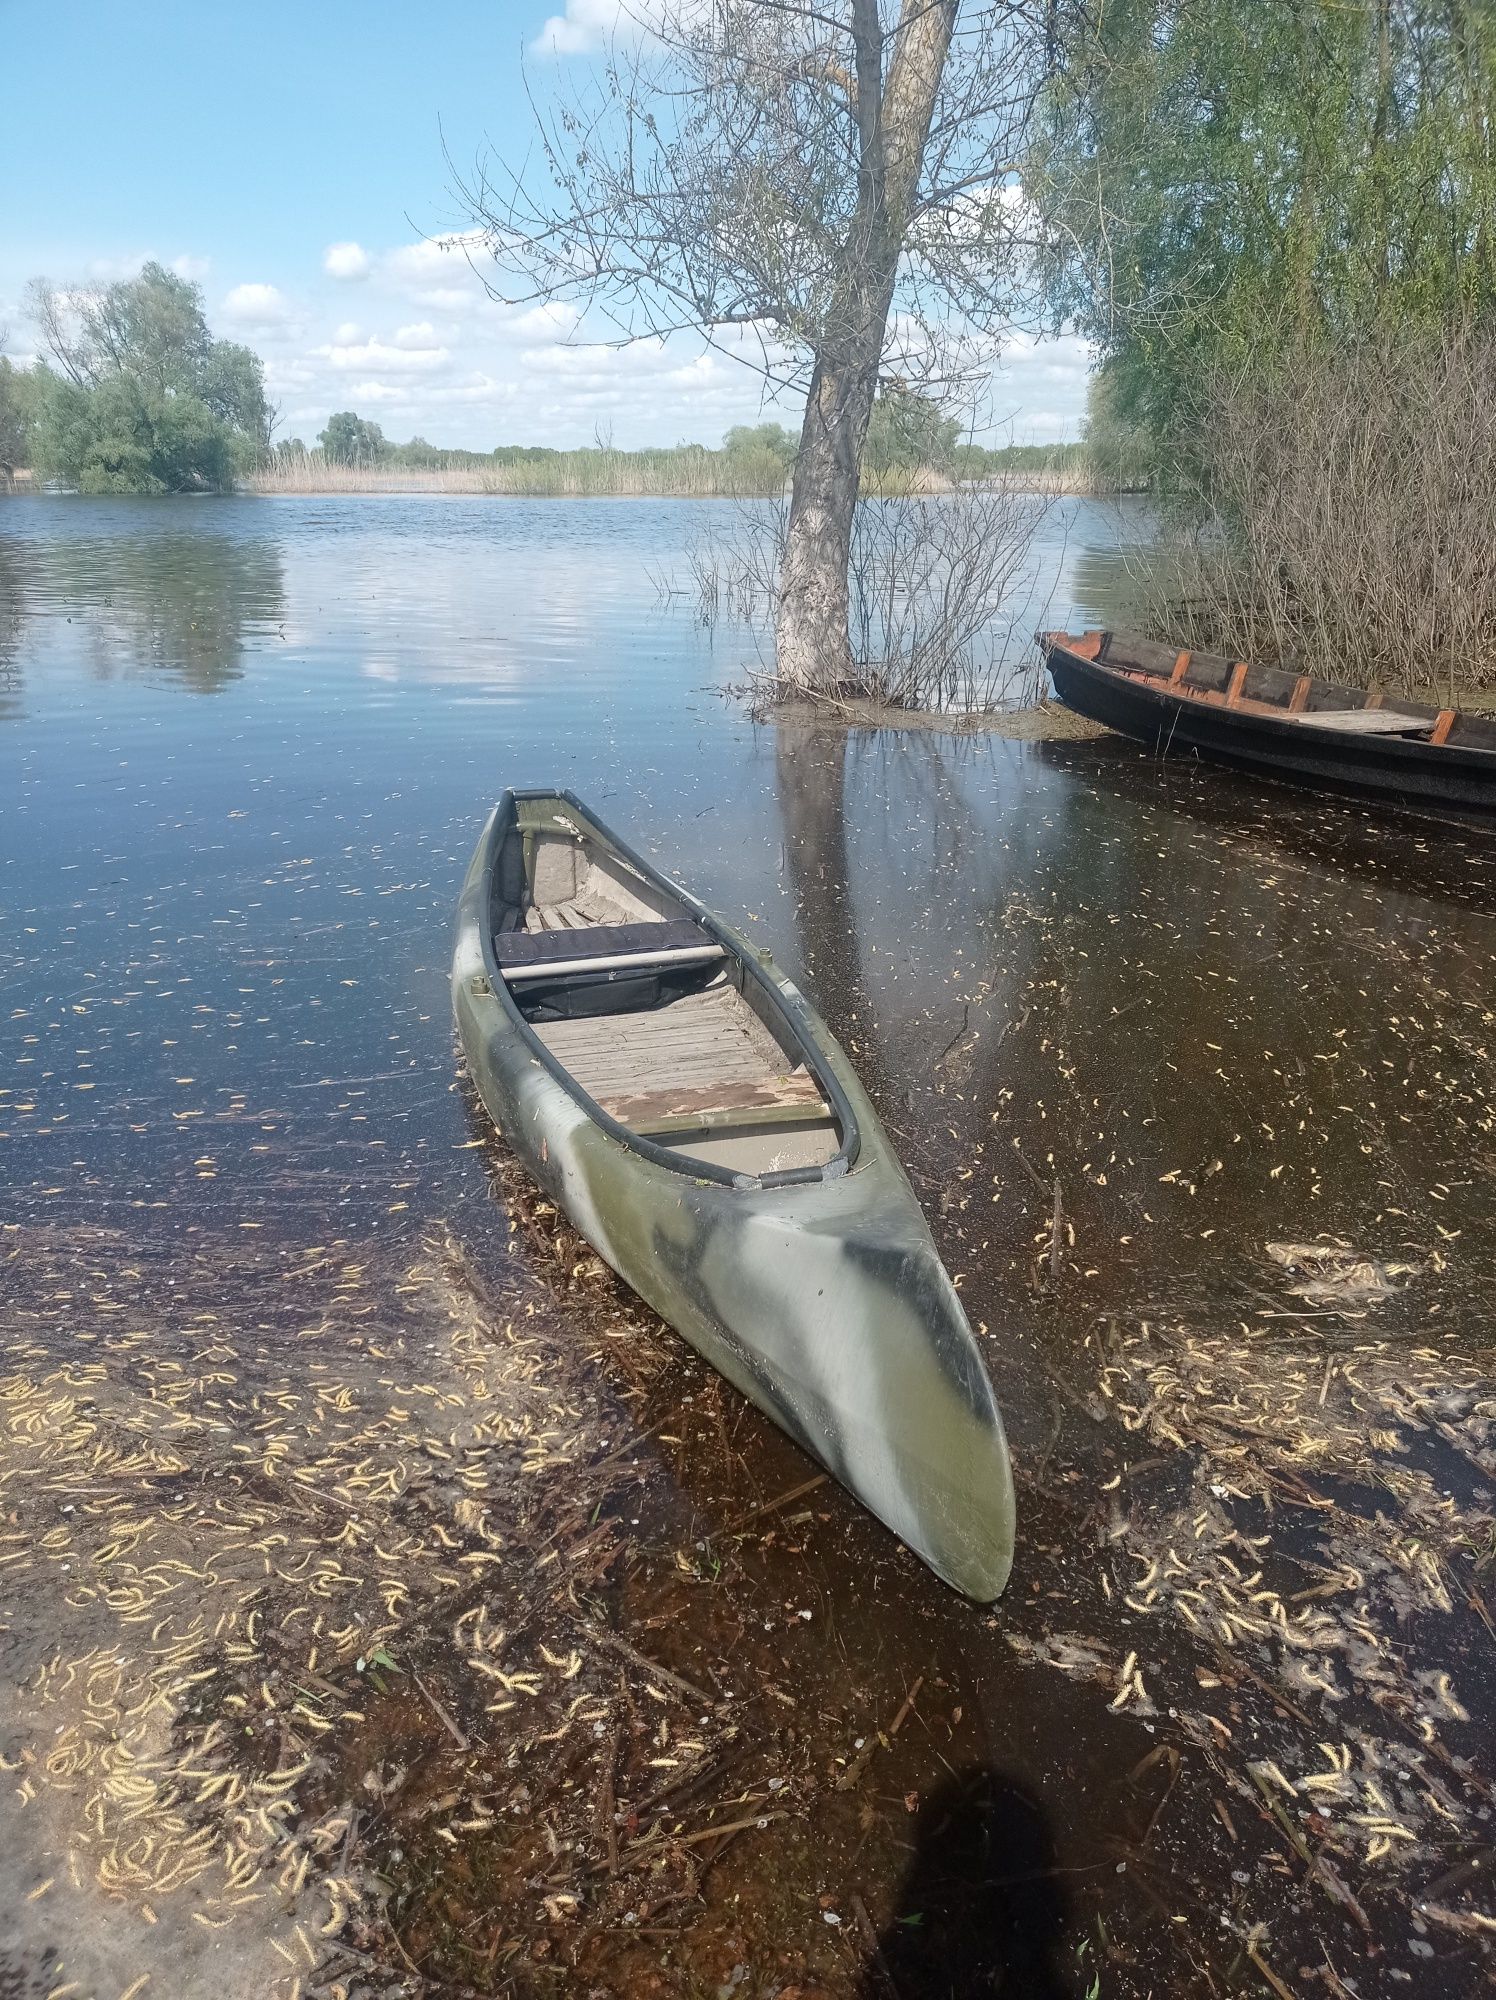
(770, 440)
(1234, 177)
(1120, 449)
(141, 398)
(908, 432)
(976, 461)
(353, 440)
(123, 437)
(15, 417)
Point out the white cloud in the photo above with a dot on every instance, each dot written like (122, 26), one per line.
(345, 260)
(586, 25)
(431, 352)
(374, 353)
(256, 305)
(107, 270)
(589, 25)
(554, 318)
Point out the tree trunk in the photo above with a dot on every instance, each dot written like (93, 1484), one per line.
(813, 648)
(812, 636)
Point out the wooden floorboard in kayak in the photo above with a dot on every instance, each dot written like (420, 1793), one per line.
(695, 1042)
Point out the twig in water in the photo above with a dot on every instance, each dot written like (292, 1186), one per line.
(1283, 1992)
(1056, 1232)
(651, 1667)
(958, 1036)
(441, 1714)
(784, 1499)
(875, 1950)
(857, 1768)
(607, 1801)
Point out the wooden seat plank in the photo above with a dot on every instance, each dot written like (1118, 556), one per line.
(1366, 721)
(692, 1102)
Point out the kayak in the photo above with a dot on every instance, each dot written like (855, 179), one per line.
(675, 1094)
(1292, 725)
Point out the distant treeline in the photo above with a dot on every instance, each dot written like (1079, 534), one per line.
(135, 395)
(910, 442)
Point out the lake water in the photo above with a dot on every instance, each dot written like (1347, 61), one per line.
(245, 748)
(245, 751)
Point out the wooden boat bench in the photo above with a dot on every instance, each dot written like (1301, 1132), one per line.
(1366, 721)
(659, 1114)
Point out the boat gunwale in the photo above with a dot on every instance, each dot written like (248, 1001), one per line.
(1144, 686)
(790, 1010)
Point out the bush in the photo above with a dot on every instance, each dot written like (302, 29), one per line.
(1339, 517)
(123, 438)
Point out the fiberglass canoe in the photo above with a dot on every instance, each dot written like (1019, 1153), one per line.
(675, 1094)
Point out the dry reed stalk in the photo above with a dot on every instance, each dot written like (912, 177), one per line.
(1339, 519)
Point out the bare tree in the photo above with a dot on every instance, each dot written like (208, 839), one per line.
(822, 185)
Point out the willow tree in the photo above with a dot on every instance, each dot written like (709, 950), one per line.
(828, 187)
(1276, 176)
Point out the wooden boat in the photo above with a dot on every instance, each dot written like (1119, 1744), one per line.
(1294, 725)
(677, 1096)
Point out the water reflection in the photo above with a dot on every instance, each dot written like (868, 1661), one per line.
(12, 619)
(177, 608)
(1215, 1013)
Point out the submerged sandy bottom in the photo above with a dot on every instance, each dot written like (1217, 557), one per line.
(385, 1625)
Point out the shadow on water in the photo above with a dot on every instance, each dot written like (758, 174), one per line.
(982, 1908)
(1439, 856)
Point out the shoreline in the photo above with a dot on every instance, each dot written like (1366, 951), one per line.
(1035, 722)
(483, 487)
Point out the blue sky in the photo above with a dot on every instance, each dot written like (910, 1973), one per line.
(289, 158)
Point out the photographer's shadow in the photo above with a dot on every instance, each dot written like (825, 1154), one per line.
(981, 1910)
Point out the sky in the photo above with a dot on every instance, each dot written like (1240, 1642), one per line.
(298, 161)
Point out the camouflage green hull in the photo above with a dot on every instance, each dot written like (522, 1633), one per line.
(823, 1300)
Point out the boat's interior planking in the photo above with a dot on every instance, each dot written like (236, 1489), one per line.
(644, 1008)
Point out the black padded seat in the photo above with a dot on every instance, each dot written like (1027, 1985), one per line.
(525, 948)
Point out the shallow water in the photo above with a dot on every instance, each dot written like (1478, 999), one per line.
(244, 750)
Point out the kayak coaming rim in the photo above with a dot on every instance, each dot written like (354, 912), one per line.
(784, 996)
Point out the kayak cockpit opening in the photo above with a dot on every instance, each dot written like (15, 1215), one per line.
(646, 1011)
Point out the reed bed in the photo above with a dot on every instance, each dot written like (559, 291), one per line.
(578, 475)
(690, 474)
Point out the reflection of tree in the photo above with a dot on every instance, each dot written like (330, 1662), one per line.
(172, 605)
(810, 762)
(12, 618)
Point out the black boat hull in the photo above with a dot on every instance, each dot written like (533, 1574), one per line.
(1174, 725)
